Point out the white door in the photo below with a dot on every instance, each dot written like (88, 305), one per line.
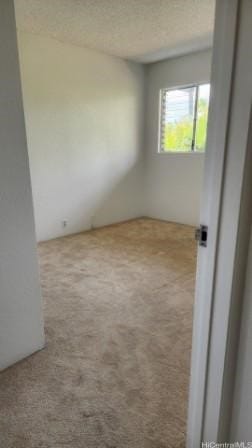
(220, 270)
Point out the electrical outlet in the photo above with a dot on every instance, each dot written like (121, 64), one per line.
(64, 223)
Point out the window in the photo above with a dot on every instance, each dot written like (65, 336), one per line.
(183, 119)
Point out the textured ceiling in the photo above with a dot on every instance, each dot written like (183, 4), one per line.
(142, 30)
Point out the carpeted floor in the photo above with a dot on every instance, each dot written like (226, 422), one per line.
(115, 371)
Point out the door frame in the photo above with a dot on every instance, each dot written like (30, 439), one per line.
(221, 266)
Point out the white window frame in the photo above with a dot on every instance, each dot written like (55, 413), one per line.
(160, 117)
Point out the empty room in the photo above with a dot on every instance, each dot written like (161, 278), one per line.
(105, 114)
(107, 91)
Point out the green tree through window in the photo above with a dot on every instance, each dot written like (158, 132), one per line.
(184, 117)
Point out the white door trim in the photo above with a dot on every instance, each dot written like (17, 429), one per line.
(234, 236)
(225, 41)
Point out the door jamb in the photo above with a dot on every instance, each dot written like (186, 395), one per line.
(225, 42)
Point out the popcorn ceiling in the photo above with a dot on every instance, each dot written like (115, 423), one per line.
(141, 30)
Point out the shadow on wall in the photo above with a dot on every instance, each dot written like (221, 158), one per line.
(124, 201)
(108, 192)
(84, 119)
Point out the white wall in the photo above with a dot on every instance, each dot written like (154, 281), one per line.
(173, 181)
(84, 118)
(21, 327)
(84, 115)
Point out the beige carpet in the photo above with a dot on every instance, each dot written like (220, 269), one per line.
(118, 315)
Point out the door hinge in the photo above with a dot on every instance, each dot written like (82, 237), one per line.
(201, 234)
